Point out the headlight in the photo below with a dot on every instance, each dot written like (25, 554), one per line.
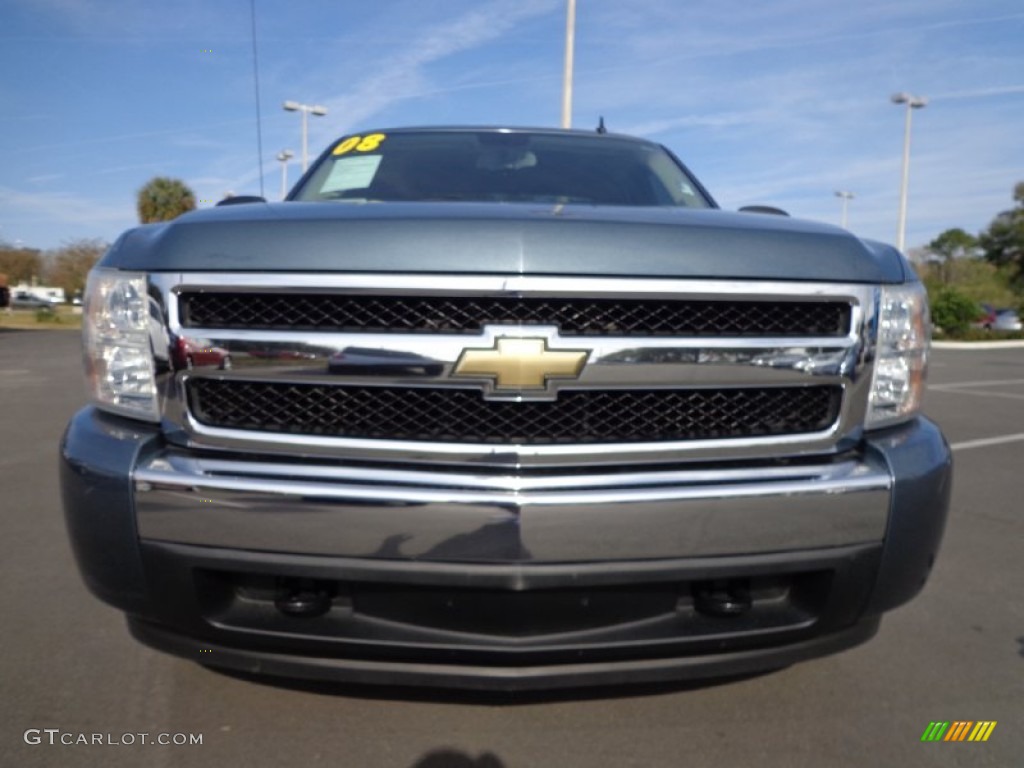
(901, 355)
(115, 333)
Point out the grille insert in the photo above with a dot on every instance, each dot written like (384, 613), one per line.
(463, 416)
(468, 314)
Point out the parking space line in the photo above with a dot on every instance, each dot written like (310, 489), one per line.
(987, 441)
(980, 394)
(971, 384)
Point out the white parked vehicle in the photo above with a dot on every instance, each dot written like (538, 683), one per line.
(50, 293)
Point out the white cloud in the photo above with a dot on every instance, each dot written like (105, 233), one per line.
(126, 168)
(61, 208)
(44, 178)
(979, 93)
(401, 75)
(182, 131)
(126, 21)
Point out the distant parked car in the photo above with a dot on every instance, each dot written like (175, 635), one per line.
(195, 353)
(28, 301)
(1006, 320)
(994, 319)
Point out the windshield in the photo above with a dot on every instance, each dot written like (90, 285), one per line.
(500, 166)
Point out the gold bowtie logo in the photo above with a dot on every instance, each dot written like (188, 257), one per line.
(516, 364)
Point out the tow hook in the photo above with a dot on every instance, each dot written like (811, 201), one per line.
(303, 598)
(722, 597)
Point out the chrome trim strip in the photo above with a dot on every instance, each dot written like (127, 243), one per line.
(405, 495)
(520, 285)
(510, 453)
(194, 470)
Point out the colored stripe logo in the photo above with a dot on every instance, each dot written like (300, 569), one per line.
(959, 730)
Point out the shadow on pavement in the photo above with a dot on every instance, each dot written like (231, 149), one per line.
(452, 758)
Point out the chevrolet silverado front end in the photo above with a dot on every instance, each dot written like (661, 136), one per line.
(522, 442)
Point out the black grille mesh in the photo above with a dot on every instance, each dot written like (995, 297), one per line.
(468, 314)
(463, 416)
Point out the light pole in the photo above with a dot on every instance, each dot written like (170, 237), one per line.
(570, 38)
(846, 197)
(284, 156)
(305, 109)
(912, 102)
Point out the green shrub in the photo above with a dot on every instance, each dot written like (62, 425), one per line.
(953, 311)
(47, 315)
(983, 334)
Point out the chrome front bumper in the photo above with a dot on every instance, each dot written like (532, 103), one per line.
(353, 511)
(523, 579)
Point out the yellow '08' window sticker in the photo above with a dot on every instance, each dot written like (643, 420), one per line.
(366, 143)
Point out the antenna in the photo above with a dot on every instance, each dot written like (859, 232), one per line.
(600, 125)
(256, 87)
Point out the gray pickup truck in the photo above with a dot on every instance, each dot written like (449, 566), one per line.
(502, 408)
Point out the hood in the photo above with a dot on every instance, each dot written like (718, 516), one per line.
(496, 238)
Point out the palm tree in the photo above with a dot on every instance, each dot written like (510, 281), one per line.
(163, 199)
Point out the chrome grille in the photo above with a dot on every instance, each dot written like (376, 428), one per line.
(358, 313)
(449, 415)
(678, 369)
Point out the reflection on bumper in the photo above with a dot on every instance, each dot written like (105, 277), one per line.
(355, 512)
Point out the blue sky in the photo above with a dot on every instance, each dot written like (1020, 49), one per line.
(780, 102)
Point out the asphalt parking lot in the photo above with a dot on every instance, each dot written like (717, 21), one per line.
(955, 653)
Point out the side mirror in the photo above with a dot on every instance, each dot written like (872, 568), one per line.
(763, 209)
(239, 199)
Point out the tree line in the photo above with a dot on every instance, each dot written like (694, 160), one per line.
(967, 270)
(66, 267)
(1001, 243)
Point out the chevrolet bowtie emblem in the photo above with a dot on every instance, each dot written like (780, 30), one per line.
(518, 364)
